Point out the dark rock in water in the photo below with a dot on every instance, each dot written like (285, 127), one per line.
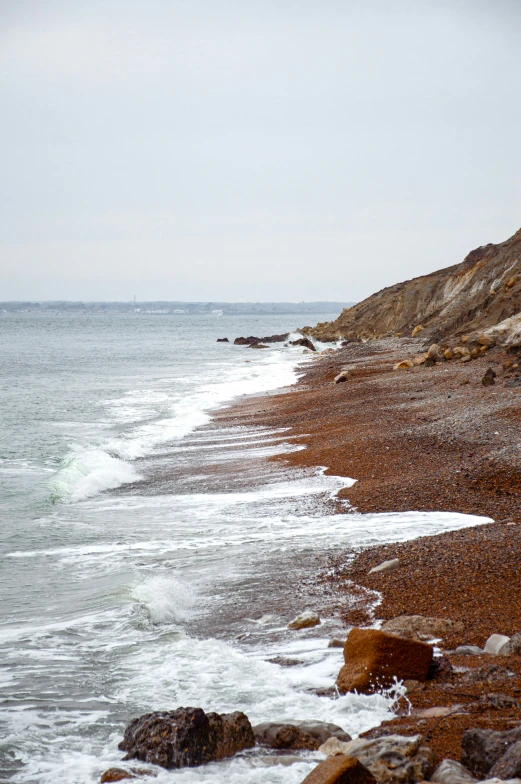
(488, 379)
(275, 338)
(340, 770)
(186, 737)
(481, 749)
(252, 340)
(115, 774)
(257, 345)
(297, 734)
(306, 342)
(223, 340)
(284, 661)
(509, 765)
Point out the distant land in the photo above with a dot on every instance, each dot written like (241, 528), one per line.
(174, 308)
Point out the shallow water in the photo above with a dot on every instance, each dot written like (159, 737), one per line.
(150, 560)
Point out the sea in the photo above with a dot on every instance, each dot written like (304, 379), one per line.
(151, 557)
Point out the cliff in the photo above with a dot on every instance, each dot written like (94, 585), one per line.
(481, 294)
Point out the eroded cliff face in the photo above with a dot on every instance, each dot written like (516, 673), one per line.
(482, 294)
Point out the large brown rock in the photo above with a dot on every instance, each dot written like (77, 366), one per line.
(186, 737)
(374, 659)
(340, 770)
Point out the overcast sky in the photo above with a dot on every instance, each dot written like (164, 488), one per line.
(253, 149)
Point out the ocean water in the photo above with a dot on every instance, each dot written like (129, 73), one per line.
(150, 559)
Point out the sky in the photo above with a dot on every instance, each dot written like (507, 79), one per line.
(257, 150)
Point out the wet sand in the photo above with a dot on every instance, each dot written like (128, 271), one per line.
(432, 439)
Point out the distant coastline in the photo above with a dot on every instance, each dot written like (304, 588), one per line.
(174, 307)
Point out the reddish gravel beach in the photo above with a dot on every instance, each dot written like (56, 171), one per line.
(427, 438)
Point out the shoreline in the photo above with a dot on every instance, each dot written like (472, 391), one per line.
(424, 439)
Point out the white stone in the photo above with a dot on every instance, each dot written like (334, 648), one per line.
(386, 566)
(495, 642)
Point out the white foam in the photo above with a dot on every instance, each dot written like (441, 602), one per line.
(167, 600)
(91, 468)
(87, 472)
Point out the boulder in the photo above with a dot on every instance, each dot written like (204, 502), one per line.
(340, 770)
(419, 359)
(460, 351)
(186, 737)
(391, 758)
(486, 340)
(481, 749)
(417, 330)
(489, 379)
(306, 342)
(374, 660)
(115, 774)
(343, 376)
(257, 345)
(495, 642)
(305, 620)
(435, 352)
(513, 646)
(405, 364)
(386, 566)
(509, 765)
(242, 341)
(297, 734)
(448, 354)
(419, 627)
(223, 340)
(452, 772)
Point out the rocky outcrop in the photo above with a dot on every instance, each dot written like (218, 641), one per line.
(297, 734)
(186, 737)
(222, 340)
(340, 770)
(481, 296)
(252, 340)
(375, 660)
(391, 759)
